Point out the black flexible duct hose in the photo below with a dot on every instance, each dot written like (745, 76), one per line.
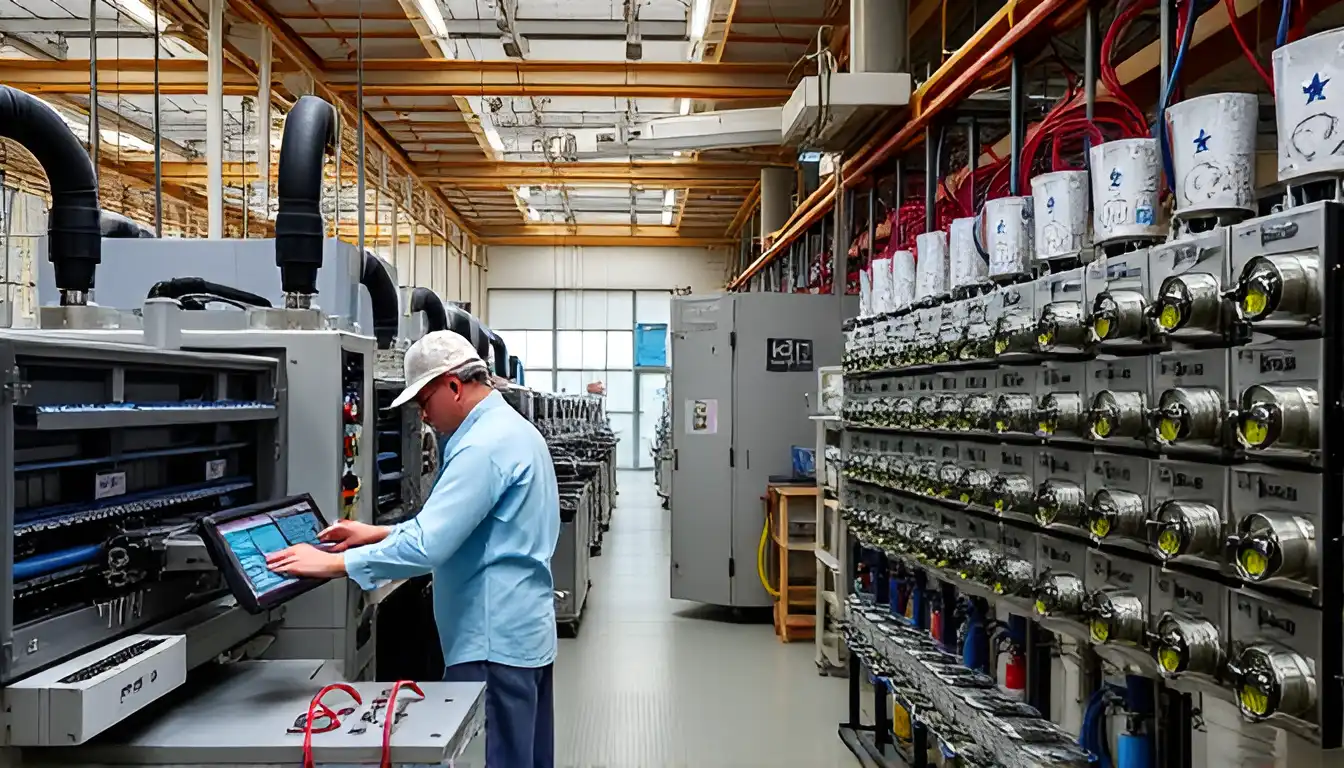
(427, 301)
(515, 367)
(310, 129)
(461, 322)
(75, 238)
(383, 296)
(194, 287)
(501, 352)
(116, 226)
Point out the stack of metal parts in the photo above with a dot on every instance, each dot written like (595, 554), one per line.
(583, 450)
(962, 709)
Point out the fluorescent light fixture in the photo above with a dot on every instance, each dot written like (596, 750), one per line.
(667, 217)
(676, 153)
(533, 214)
(126, 141)
(524, 192)
(429, 11)
(699, 20)
(669, 198)
(492, 136)
(685, 106)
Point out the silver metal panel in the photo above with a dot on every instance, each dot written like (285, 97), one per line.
(131, 267)
(702, 499)
(770, 413)
(241, 717)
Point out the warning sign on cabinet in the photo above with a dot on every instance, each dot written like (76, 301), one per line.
(702, 417)
(787, 355)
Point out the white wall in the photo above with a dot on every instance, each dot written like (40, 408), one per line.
(607, 268)
(440, 269)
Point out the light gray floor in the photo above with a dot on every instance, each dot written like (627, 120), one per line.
(651, 682)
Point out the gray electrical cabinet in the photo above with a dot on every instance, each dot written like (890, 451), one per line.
(743, 368)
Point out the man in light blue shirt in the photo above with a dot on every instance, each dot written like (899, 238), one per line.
(487, 533)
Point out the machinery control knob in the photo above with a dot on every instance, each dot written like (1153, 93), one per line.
(1276, 416)
(1060, 501)
(1061, 324)
(1119, 315)
(1014, 412)
(1185, 528)
(1061, 413)
(1060, 594)
(1116, 513)
(1193, 301)
(1270, 678)
(1287, 284)
(1117, 617)
(1189, 414)
(1270, 545)
(1117, 414)
(1185, 644)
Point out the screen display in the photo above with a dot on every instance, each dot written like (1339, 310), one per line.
(251, 539)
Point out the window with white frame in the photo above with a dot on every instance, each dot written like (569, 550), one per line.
(567, 340)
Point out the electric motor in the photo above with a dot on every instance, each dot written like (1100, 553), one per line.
(1189, 414)
(1061, 413)
(1012, 492)
(1270, 679)
(1062, 502)
(978, 564)
(1015, 577)
(1186, 528)
(926, 412)
(1061, 324)
(1274, 545)
(1187, 645)
(946, 550)
(975, 486)
(1117, 414)
(903, 413)
(914, 469)
(1279, 416)
(979, 343)
(1192, 301)
(1279, 284)
(1060, 594)
(928, 478)
(1117, 617)
(948, 412)
(976, 413)
(922, 544)
(1119, 315)
(1015, 332)
(1014, 413)
(949, 479)
(1116, 513)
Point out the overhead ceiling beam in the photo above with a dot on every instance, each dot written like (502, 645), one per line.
(37, 47)
(515, 174)
(120, 76)
(71, 27)
(598, 234)
(408, 77)
(568, 29)
(312, 65)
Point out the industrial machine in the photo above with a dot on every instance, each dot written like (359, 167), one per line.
(745, 366)
(1103, 464)
(151, 459)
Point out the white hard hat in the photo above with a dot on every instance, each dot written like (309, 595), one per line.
(432, 356)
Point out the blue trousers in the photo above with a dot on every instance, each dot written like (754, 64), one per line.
(519, 712)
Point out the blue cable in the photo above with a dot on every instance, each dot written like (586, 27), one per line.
(1281, 38)
(1164, 140)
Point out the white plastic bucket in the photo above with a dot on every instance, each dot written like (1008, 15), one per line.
(1059, 214)
(966, 267)
(931, 266)
(1126, 178)
(1006, 235)
(1309, 107)
(1213, 152)
(881, 292)
(902, 279)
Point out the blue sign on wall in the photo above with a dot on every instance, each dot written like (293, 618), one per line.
(651, 345)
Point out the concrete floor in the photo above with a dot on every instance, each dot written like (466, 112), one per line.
(653, 682)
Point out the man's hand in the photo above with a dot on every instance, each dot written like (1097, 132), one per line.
(344, 534)
(306, 561)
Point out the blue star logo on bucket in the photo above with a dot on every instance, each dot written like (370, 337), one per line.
(999, 230)
(1050, 205)
(1202, 142)
(1315, 90)
(1115, 178)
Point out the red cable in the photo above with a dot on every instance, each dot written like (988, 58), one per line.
(390, 718)
(1245, 47)
(316, 702)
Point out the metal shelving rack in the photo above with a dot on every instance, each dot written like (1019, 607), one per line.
(831, 549)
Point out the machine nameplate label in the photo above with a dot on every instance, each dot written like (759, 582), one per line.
(788, 355)
(109, 484)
